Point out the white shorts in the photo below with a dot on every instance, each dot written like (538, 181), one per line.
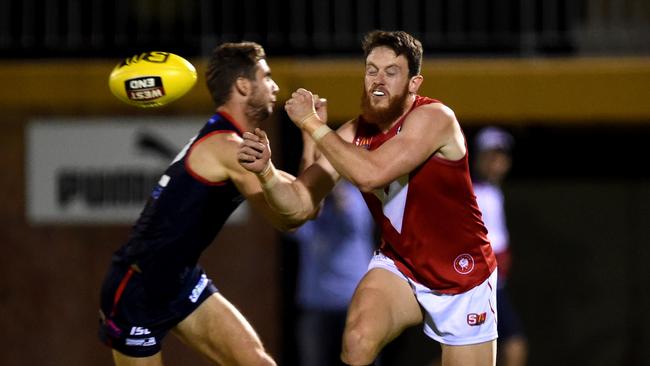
(462, 319)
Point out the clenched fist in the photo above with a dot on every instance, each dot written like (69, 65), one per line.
(303, 104)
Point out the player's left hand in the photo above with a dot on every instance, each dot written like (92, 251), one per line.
(254, 152)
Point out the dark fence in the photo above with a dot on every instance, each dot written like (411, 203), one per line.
(98, 28)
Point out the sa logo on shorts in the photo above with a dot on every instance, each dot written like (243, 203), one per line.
(476, 319)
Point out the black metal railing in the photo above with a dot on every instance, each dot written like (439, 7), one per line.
(97, 28)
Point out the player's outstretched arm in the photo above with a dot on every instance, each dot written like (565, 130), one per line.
(296, 200)
(429, 129)
(214, 159)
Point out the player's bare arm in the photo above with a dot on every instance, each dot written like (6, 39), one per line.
(430, 129)
(215, 160)
(298, 199)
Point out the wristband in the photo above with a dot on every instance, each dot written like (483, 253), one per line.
(271, 182)
(301, 124)
(320, 132)
(268, 177)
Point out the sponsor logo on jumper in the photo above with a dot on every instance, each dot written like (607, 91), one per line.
(464, 264)
(144, 88)
(162, 183)
(476, 319)
(363, 142)
(198, 289)
(144, 342)
(139, 331)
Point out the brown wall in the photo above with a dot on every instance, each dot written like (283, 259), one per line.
(579, 277)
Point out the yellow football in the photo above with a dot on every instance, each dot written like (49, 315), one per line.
(152, 79)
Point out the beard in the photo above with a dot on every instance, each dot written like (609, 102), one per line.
(257, 108)
(382, 116)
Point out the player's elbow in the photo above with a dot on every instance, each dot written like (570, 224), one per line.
(366, 184)
(289, 223)
(286, 224)
(286, 227)
(369, 177)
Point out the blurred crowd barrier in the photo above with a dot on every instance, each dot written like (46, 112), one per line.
(65, 28)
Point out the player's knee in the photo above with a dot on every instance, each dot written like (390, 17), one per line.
(266, 360)
(359, 348)
(261, 358)
(253, 356)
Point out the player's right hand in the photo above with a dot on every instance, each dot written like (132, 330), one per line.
(320, 104)
(254, 151)
(300, 106)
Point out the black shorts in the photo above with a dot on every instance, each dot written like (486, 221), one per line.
(134, 320)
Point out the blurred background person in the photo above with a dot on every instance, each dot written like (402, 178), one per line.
(333, 255)
(334, 252)
(492, 162)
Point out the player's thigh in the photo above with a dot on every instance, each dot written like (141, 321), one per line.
(480, 354)
(220, 332)
(383, 304)
(124, 360)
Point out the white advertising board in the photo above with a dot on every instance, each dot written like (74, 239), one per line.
(100, 170)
